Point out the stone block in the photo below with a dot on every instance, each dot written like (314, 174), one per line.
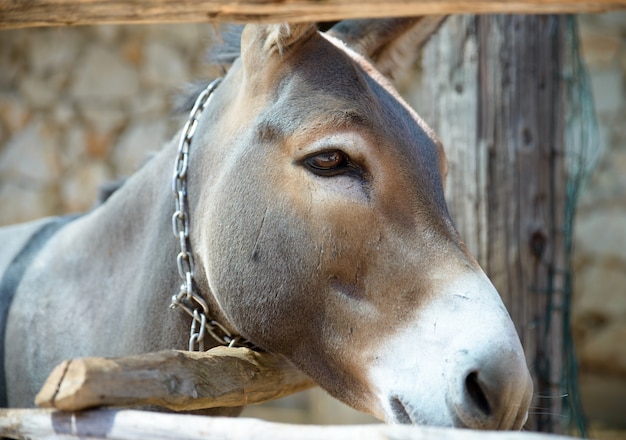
(103, 75)
(136, 143)
(150, 104)
(54, 51)
(133, 52)
(15, 45)
(601, 352)
(74, 146)
(22, 203)
(103, 118)
(41, 93)
(108, 33)
(163, 66)
(14, 112)
(608, 90)
(182, 38)
(63, 113)
(32, 156)
(600, 291)
(79, 188)
(98, 145)
(600, 47)
(602, 234)
(607, 186)
(615, 20)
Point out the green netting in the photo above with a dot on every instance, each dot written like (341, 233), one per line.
(581, 154)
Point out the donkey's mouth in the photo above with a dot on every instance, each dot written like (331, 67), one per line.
(399, 412)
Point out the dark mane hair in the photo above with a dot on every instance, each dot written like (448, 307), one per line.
(225, 49)
(227, 46)
(221, 55)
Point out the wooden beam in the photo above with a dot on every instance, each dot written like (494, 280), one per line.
(21, 13)
(140, 425)
(178, 380)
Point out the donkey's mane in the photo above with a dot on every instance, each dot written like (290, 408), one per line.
(227, 46)
(220, 56)
(107, 189)
(223, 53)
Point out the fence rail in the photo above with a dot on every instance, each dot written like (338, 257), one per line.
(139, 425)
(177, 380)
(190, 381)
(20, 13)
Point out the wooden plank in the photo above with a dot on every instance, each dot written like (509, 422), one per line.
(178, 380)
(495, 89)
(140, 425)
(20, 13)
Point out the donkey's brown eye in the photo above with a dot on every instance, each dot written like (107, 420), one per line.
(327, 161)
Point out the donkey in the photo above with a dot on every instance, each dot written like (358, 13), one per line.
(310, 222)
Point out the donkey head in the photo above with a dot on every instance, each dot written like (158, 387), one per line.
(324, 234)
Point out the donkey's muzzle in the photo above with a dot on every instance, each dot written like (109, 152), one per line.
(493, 393)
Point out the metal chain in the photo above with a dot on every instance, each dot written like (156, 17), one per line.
(187, 299)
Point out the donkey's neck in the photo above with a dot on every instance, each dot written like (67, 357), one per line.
(135, 226)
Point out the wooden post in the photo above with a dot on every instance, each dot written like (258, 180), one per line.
(492, 88)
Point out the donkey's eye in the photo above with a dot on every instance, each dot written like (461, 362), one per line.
(327, 163)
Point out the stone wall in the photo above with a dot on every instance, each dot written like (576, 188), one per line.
(599, 311)
(81, 106)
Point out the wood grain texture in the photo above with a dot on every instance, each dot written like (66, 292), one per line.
(177, 380)
(494, 89)
(141, 425)
(20, 13)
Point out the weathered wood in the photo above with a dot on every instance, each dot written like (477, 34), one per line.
(20, 13)
(178, 380)
(141, 425)
(494, 89)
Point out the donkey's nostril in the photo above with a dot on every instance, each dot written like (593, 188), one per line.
(493, 394)
(399, 411)
(476, 393)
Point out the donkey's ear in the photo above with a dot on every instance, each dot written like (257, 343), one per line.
(281, 37)
(392, 43)
(275, 38)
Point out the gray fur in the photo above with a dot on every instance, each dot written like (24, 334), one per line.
(322, 265)
(12, 277)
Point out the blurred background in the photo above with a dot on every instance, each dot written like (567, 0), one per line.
(83, 106)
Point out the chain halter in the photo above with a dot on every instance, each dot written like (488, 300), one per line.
(188, 300)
